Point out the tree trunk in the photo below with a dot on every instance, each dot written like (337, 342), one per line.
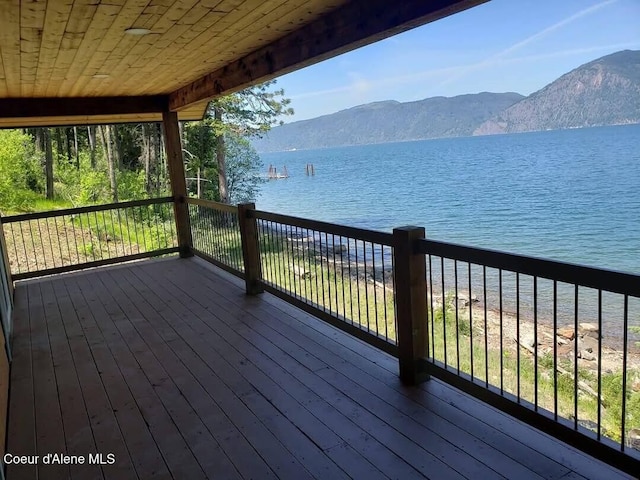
(163, 177)
(68, 137)
(59, 146)
(221, 160)
(147, 147)
(91, 131)
(40, 143)
(48, 163)
(75, 147)
(106, 134)
(199, 184)
(116, 147)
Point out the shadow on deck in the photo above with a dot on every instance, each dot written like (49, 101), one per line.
(171, 368)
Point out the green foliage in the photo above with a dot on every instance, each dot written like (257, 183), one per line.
(20, 172)
(83, 186)
(131, 185)
(243, 170)
(231, 121)
(252, 111)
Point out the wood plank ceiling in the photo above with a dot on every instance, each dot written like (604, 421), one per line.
(79, 49)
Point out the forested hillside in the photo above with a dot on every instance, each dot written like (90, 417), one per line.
(44, 168)
(605, 91)
(390, 121)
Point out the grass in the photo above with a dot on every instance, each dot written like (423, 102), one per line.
(40, 244)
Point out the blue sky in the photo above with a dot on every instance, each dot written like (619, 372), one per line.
(500, 46)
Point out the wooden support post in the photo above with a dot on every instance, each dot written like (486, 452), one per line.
(250, 248)
(4, 258)
(411, 305)
(178, 182)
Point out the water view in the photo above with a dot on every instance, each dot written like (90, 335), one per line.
(568, 195)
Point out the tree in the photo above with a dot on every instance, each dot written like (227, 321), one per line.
(107, 135)
(243, 169)
(248, 113)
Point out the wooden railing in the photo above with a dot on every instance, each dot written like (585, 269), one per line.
(6, 288)
(58, 241)
(548, 342)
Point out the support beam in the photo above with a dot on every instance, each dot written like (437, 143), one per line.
(351, 26)
(81, 106)
(411, 304)
(175, 163)
(250, 248)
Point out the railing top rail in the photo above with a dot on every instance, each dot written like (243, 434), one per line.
(607, 280)
(214, 205)
(76, 210)
(374, 236)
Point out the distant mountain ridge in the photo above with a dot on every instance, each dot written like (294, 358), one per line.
(605, 91)
(390, 121)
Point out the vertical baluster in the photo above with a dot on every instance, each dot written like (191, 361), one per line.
(501, 333)
(366, 286)
(455, 292)
(519, 339)
(375, 289)
(33, 247)
(384, 295)
(432, 310)
(599, 422)
(58, 239)
(471, 359)
(444, 315)
(625, 349)
(555, 350)
(535, 343)
(575, 361)
(358, 284)
(486, 333)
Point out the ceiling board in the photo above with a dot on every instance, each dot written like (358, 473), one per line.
(79, 48)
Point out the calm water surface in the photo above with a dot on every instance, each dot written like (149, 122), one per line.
(570, 195)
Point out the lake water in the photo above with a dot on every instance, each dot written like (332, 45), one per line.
(570, 195)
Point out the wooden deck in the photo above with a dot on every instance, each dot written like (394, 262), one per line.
(171, 368)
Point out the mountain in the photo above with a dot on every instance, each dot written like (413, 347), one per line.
(605, 91)
(389, 121)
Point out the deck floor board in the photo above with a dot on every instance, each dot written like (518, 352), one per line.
(171, 367)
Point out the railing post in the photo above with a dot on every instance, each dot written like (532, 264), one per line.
(411, 305)
(250, 248)
(4, 258)
(175, 164)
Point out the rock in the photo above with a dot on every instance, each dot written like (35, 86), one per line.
(587, 355)
(561, 341)
(635, 386)
(588, 343)
(565, 350)
(528, 340)
(633, 438)
(465, 299)
(300, 272)
(595, 334)
(566, 332)
(588, 327)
